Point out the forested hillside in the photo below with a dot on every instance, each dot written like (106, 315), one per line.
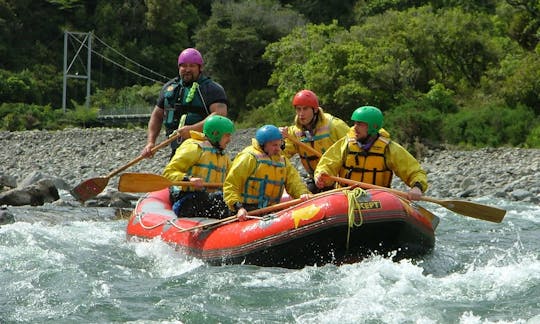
(460, 72)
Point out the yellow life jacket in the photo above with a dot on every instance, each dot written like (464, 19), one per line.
(211, 167)
(319, 139)
(367, 166)
(266, 183)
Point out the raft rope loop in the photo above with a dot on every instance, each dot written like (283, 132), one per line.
(172, 221)
(354, 197)
(140, 215)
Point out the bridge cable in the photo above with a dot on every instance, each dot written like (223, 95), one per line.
(122, 66)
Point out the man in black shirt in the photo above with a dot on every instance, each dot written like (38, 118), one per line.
(190, 97)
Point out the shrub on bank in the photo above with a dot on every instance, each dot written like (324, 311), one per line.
(409, 123)
(533, 140)
(489, 126)
(20, 116)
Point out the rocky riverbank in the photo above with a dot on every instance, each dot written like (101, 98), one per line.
(74, 155)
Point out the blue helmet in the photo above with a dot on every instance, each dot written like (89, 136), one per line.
(267, 133)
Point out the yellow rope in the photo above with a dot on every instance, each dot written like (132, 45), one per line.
(354, 198)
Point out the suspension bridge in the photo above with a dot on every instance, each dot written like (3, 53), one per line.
(121, 120)
(82, 43)
(125, 116)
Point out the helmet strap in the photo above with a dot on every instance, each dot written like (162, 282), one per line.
(313, 122)
(217, 147)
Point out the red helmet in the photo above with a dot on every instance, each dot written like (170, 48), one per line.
(306, 98)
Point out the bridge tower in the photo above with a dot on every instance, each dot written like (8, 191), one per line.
(83, 40)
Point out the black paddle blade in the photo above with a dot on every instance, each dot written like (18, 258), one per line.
(89, 188)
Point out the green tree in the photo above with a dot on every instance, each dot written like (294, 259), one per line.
(234, 39)
(325, 11)
(388, 60)
(170, 27)
(487, 6)
(27, 30)
(525, 26)
(290, 57)
(491, 125)
(450, 46)
(8, 23)
(520, 80)
(367, 8)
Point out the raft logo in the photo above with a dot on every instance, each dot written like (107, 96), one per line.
(305, 213)
(375, 204)
(364, 202)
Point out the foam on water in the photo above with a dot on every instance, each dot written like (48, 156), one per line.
(85, 271)
(166, 262)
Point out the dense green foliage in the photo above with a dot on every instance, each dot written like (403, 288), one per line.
(462, 72)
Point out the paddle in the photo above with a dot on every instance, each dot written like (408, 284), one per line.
(266, 210)
(294, 202)
(224, 220)
(467, 208)
(305, 146)
(92, 187)
(146, 182)
(462, 207)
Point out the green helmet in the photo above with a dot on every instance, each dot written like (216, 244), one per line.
(216, 126)
(370, 115)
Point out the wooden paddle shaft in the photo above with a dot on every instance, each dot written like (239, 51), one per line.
(367, 185)
(221, 221)
(263, 211)
(467, 208)
(140, 157)
(294, 202)
(145, 182)
(307, 147)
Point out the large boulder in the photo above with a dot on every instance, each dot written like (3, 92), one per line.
(36, 176)
(5, 216)
(7, 180)
(36, 194)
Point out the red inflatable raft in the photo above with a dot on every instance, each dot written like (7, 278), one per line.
(315, 232)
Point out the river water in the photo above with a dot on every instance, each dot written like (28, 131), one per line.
(73, 265)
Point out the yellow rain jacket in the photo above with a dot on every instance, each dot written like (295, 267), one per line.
(327, 131)
(256, 178)
(347, 159)
(196, 157)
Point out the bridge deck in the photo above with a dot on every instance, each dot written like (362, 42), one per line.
(116, 120)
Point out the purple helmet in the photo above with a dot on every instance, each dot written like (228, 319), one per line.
(190, 56)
